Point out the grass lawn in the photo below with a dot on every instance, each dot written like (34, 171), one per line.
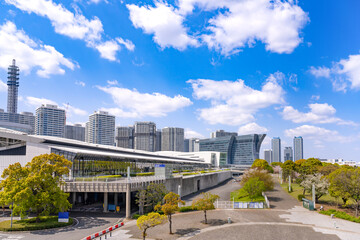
(242, 196)
(297, 189)
(31, 224)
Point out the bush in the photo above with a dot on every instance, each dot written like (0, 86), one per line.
(176, 171)
(263, 175)
(186, 209)
(136, 216)
(189, 173)
(341, 215)
(46, 222)
(300, 197)
(145, 174)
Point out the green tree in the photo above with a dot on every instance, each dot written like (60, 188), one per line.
(327, 169)
(148, 221)
(170, 206)
(310, 166)
(254, 187)
(36, 186)
(262, 164)
(274, 164)
(339, 184)
(288, 169)
(321, 185)
(205, 203)
(354, 188)
(263, 175)
(154, 195)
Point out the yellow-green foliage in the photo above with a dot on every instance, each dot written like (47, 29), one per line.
(205, 202)
(148, 221)
(36, 186)
(170, 206)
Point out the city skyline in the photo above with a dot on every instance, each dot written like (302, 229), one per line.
(303, 84)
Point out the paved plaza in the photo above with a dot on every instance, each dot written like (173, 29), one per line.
(286, 219)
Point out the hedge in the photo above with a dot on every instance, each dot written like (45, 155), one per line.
(341, 215)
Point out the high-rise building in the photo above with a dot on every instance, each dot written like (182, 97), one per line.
(186, 145)
(50, 121)
(158, 140)
(76, 132)
(124, 137)
(23, 122)
(101, 128)
(240, 150)
(288, 154)
(222, 133)
(13, 86)
(268, 155)
(172, 139)
(145, 136)
(194, 145)
(298, 148)
(276, 149)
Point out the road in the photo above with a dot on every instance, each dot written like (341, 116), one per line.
(88, 223)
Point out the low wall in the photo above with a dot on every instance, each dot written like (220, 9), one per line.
(193, 183)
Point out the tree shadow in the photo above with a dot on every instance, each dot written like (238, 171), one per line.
(274, 199)
(215, 222)
(186, 231)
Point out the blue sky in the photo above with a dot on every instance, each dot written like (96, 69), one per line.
(284, 68)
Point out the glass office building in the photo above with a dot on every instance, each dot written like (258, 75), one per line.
(240, 150)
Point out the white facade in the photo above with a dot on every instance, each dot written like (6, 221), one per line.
(172, 139)
(213, 158)
(268, 155)
(298, 148)
(341, 161)
(50, 121)
(101, 128)
(276, 149)
(145, 136)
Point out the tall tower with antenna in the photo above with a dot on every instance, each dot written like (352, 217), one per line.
(13, 86)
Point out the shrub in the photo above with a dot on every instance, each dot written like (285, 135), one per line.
(300, 197)
(189, 173)
(136, 216)
(341, 215)
(263, 175)
(187, 209)
(145, 174)
(176, 171)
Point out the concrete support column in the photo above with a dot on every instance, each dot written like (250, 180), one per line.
(128, 200)
(85, 197)
(105, 201)
(73, 198)
(116, 199)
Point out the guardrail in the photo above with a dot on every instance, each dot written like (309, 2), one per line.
(104, 232)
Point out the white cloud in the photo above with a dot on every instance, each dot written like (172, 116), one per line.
(234, 103)
(319, 113)
(275, 23)
(343, 74)
(37, 102)
(165, 22)
(315, 97)
(73, 25)
(80, 83)
(317, 134)
(15, 44)
(236, 24)
(192, 134)
(114, 82)
(251, 128)
(131, 103)
(127, 43)
(108, 49)
(73, 110)
(3, 87)
(320, 72)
